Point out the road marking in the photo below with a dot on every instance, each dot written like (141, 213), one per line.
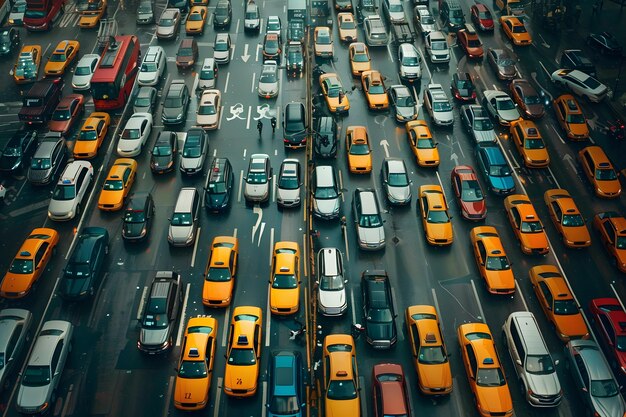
(345, 240)
(240, 185)
(268, 322)
(195, 248)
(196, 80)
(306, 273)
(226, 326)
(66, 403)
(436, 303)
(253, 80)
(246, 56)
(248, 118)
(259, 212)
(218, 394)
(390, 53)
(521, 294)
(237, 31)
(480, 307)
(514, 162)
(343, 200)
(219, 124)
(385, 146)
(264, 409)
(168, 399)
(271, 246)
(554, 178)
(232, 49)
(181, 325)
(256, 56)
(235, 233)
(226, 84)
(441, 185)
(353, 305)
(141, 303)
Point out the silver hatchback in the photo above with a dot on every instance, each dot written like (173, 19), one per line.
(368, 220)
(14, 325)
(257, 187)
(289, 184)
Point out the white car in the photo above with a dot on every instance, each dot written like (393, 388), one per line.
(394, 11)
(3, 192)
(16, 17)
(402, 100)
(152, 66)
(273, 25)
(81, 80)
(252, 18)
(44, 367)
(410, 61)
(258, 178)
(331, 282)
(501, 107)
(437, 47)
(268, 80)
(168, 24)
(438, 105)
(194, 151)
(69, 192)
(209, 109)
(424, 21)
(289, 184)
(135, 135)
(581, 84)
(221, 48)
(323, 42)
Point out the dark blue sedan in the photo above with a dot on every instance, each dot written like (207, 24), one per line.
(495, 169)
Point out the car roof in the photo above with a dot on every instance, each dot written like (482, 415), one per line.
(592, 359)
(284, 373)
(494, 154)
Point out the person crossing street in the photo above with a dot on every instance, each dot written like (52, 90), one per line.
(259, 127)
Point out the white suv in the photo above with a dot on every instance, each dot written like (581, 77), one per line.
(438, 105)
(152, 66)
(331, 282)
(70, 191)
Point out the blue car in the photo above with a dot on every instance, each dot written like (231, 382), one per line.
(494, 167)
(286, 389)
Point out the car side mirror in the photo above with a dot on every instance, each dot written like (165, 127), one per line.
(556, 362)
(518, 362)
(269, 281)
(584, 389)
(345, 281)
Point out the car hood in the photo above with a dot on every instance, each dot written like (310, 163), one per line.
(172, 112)
(180, 234)
(343, 408)
(381, 331)
(131, 230)
(536, 110)
(39, 175)
(406, 112)
(218, 55)
(571, 325)
(240, 377)
(609, 407)
(146, 77)
(426, 28)
(154, 337)
(128, 145)
(75, 286)
(534, 240)
(89, 20)
(507, 70)
(168, 30)
(547, 385)
(284, 298)
(500, 280)
(494, 399)
(191, 390)
(326, 206)
(485, 136)
(502, 183)
(474, 207)
(509, 115)
(207, 119)
(324, 47)
(17, 282)
(440, 52)
(399, 194)
(217, 290)
(288, 195)
(444, 116)
(332, 299)
(81, 79)
(60, 207)
(161, 161)
(256, 190)
(435, 375)
(32, 397)
(440, 230)
(216, 200)
(268, 88)
(371, 234)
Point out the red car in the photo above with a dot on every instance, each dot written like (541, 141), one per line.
(469, 195)
(69, 110)
(481, 16)
(609, 319)
(469, 41)
(390, 394)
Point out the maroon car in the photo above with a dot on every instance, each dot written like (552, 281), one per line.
(609, 319)
(469, 195)
(69, 110)
(527, 98)
(390, 393)
(481, 16)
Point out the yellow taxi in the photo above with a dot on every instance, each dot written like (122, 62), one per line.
(26, 68)
(219, 276)
(529, 143)
(61, 58)
(484, 370)
(90, 18)
(434, 213)
(358, 150)
(195, 368)
(29, 263)
(360, 60)
(243, 353)
(567, 218)
(334, 94)
(374, 89)
(196, 20)
(558, 303)
(571, 118)
(341, 378)
(429, 351)
(612, 229)
(491, 259)
(526, 225)
(515, 30)
(285, 279)
(347, 27)
(422, 143)
(117, 184)
(600, 172)
(91, 135)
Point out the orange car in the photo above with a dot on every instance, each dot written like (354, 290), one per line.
(515, 30)
(430, 356)
(360, 60)
(600, 172)
(358, 150)
(571, 118)
(347, 27)
(29, 263)
(422, 143)
(67, 113)
(243, 353)
(334, 94)
(491, 259)
(26, 68)
(612, 229)
(91, 17)
(529, 144)
(219, 276)
(341, 378)
(469, 41)
(567, 218)
(285, 279)
(195, 368)
(558, 303)
(62, 56)
(484, 370)
(196, 20)
(117, 184)
(91, 135)
(374, 89)
(526, 225)
(436, 221)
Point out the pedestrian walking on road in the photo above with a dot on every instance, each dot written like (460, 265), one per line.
(273, 123)
(577, 12)
(259, 127)
(595, 8)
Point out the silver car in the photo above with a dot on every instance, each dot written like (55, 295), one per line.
(44, 367)
(367, 219)
(477, 122)
(268, 80)
(70, 191)
(289, 184)
(394, 11)
(375, 32)
(396, 182)
(581, 84)
(194, 151)
(437, 47)
(168, 25)
(257, 187)
(438, 105)
(403, 102)
(145, 101)
(325, 193)
(593, 377)
(331, 282)
(14, 326)
(501, 106)
(49, 158)
(81, 80)
(424, 21)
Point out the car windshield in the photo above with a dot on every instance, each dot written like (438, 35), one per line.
(431, 355)
(438, 216)
(361, 58)
(325, 193)
(621, 242)
(531, 227)
(25, 65)
(592, 83)
(371, 220)
(192, 148)
(405, 101)
(519, 29)
(439, 46)
(333, 91)
(620, 343)
(483, 125)
(166, 22)
(505, 104)
(271, 45)
(473, 43)
(173, 102)
(242, 357)
(58, 57)
(411, 61)
(428, 20)
(113, 185)
(181, 219)
(142, 102)
(195, 17)
(77, 270)
(499, 171)
(426, 143)
(40, 163)
(604, 388)
(539, 364)
(19, 8)
(144, 7)
(396, 7)
(161, 150)
(398, 179)
(155, 316)
(256, 177)
(218, 274)
(285, 281)
(34, 14)
(359, 149)
(11, 151)
(87, 135)
(130, 134)
(575, 118)
(187, 51)
(605, 174)
(36, 376)
(572, 220)
(282, 404)
(534, 144)
(484, 15)
(268, 77)
(21, 266)
(379, 315)
(288, 183)
(471, 191)
(341, 390)
(193, 369)
(82, 71)
(376, 89)
(532, 100)
(323, 39)
(332, 283)
(442, 106)
(148, 67)
(64, 192)
(273, 25)
(252, 14)
(217, 188)
(490, 377)
(207, 110)
(294, 54)
(134, 216)
(565, 307)
(506, 62)
(497, 263)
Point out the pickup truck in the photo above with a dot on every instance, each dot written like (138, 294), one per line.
(41, 100)
(401, 33)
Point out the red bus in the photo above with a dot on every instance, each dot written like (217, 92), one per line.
(41, 14)
(113, 80)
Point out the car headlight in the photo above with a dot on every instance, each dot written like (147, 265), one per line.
(179, 117)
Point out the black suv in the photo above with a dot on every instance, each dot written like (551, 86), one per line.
(81, 273)
(160, 312)
(176, 103)
(380, 317)
(452, 15)
(18, 150)
(219, 185)
(222, 15)
(9, 40)
(575, 59)
(294, 55)
(294, 125)
(163, 155)
(138, 217)
(41, 100)
(326, 142)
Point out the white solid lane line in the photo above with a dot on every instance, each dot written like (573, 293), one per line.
(195, 247)
(480, 306)
(181, 324)
(218, 394)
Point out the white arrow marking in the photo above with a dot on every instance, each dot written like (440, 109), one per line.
(385, 146)
(256, 58)
(454, 157)
(245, 57)
(567, 158)
(261, 234)
(380, 119)
(544, 43)
(259, 212)
(513, 160)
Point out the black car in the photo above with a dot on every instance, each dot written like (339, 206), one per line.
(502, 63)
(145, 100)
(219, 185)
(18, 150)
(294, 126)
(294, 55)
(295, 30)
(138, 217)
(343, 5)
(606, 42)
(272, 48)
(176, 103)
(576, 59)
(81, 273)
(378, 311)
(222, 15)
(463, 87)
(285, 395)
(326, 141)
(9, 40)
(164, 153)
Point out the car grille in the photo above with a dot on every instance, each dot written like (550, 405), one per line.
(379, 106)
(501, 290)
(10, 294)
(54, 72)
(429, 162)
(82, 155)
(541, 161)
(525, 42)
(108, 205)
(539, 251)
(189, 405)
(474, 216)
(580, 243)
(498, 414)
(284, 310)
(361, 169)
(440, 241)
(215, 302)
(240, 392)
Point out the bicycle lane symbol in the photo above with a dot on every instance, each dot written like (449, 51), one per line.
(236, 112)
(264, 111)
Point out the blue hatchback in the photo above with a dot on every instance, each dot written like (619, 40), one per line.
(496, 170)
(286, 388)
